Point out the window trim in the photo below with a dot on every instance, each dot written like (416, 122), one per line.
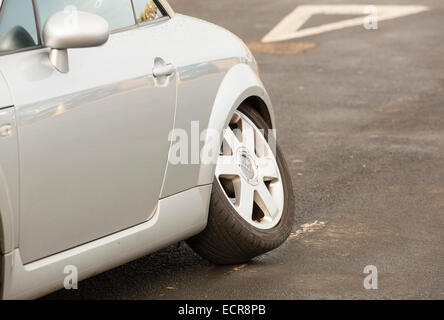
(141, 25)
(39, 40)
(161, 4)
(134, 11)
(166, 15)
(166, 7)
(37, 21)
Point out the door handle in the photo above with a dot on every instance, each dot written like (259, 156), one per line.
(164, 70)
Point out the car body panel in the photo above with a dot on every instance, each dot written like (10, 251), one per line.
(9, 172)
(88, 142)
(5, 95)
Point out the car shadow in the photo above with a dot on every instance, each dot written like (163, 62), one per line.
(155, 276)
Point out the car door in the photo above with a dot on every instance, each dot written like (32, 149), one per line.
(93, 142)
(8, 170)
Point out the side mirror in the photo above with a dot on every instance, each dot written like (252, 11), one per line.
(75, 29)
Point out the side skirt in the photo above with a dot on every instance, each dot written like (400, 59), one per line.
(178, 217)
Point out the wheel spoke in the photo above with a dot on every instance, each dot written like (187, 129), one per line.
(265, 201)
(231, 139)
(268, 169)
(244, 199)
(248, 136)
(262, 147)
(226, 166)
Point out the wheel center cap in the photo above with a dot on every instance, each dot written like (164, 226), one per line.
(247, 165)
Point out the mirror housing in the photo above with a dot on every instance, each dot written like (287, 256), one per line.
(73, 29)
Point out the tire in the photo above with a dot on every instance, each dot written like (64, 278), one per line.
(228, 237)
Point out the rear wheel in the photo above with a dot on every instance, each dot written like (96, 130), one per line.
(252, 202)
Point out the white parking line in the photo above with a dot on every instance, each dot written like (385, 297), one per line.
(289, 27)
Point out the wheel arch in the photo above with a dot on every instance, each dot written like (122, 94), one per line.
(240, 87)
(260, 106)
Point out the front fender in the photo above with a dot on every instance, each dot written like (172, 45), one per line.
(222, 92)
(240, 83)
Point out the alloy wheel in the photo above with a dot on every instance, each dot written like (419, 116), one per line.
(249, 175)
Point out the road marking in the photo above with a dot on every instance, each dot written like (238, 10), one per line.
(289, 27)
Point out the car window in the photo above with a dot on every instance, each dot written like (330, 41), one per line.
(17, 25)
(146, 10)
(118, 13)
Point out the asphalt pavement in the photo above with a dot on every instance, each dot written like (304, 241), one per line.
(360, 117)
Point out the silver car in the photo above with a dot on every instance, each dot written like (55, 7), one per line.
(124, 128)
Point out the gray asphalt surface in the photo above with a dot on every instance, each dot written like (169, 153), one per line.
(361, 121)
